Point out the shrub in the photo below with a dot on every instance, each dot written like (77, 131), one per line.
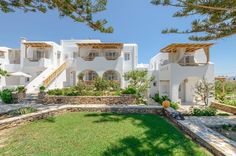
(21, 111)
(70, 92)
(174, 105)
(206, 111)
(42, 88)
(21, 89)
(159, 99)
(6, 96)
(100, 84)
(55, 92)
(129, 90)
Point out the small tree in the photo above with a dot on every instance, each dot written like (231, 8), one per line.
(139, 80)
(204, 90)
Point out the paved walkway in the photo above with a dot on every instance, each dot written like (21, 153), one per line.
(200, 126)
(8, 107)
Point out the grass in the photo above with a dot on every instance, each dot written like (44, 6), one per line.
(230, 102)
(101, 134)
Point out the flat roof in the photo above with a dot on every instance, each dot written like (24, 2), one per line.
(190, 47)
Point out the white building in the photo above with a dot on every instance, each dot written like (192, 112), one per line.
(9, 61)
(178, 67)
(58, 66)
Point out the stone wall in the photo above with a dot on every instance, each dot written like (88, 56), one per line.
(23, 119)
(18, 97)
(223, 107)
(108, 100)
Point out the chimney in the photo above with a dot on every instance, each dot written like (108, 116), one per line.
(23, 39)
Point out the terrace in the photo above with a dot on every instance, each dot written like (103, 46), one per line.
(38, 54)
(89, 51)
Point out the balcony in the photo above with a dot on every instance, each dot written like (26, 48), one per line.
(42, 62)
(11, 67)
(177, 71)
(94, 54)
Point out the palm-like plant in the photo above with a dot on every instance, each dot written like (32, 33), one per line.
(3, 72)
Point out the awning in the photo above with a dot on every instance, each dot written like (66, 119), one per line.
(38, 44)
(190, 47)
(102, 45)
(20, 74)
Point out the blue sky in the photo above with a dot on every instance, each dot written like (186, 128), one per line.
(134, 21)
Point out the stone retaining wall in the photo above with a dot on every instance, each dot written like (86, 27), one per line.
(108, 100)
(15, 121)
(18, 97)
(223, 107)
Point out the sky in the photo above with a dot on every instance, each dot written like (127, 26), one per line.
(134, 21)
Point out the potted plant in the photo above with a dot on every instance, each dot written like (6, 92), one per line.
(42, 92)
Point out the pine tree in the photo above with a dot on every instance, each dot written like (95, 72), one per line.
(78, 10)
(217, 18)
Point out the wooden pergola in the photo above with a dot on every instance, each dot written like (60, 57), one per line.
(101, 45)
(222, 80)
(36, 45)
(189, 48)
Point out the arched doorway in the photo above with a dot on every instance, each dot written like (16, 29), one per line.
(89, 75)
(111, 75)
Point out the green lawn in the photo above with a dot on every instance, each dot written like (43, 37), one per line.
(104, 134)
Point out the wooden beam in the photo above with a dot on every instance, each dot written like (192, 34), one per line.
(207, 53)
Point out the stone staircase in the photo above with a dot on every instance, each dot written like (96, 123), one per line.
(31, 98)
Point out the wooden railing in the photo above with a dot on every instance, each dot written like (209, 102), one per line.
(54, 74)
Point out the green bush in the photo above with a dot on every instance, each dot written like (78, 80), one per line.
(55, 92)
(159, 99)
(100, 84)
(174, 105)
(21, 111)
(206, 111)
(21, 89)
(6, 96)
(129, 90)
(42, 88)
(70, 92)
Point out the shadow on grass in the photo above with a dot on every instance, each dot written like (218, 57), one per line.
(159, 137)
(50, 119)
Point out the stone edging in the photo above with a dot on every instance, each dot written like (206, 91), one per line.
(19, 120)
(223, 107)
(202, 135)
(108, 100)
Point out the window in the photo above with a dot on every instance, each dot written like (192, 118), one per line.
(127, 56)
(93, 54)
(110, 54)
(154, 84)
(1, 54)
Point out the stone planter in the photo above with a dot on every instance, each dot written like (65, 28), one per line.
(107, 100)
(18, 97)
(223, 107)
